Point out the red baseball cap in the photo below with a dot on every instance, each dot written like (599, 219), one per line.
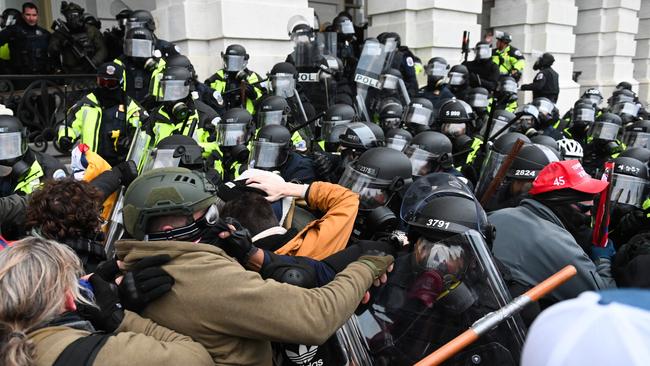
(567, 174)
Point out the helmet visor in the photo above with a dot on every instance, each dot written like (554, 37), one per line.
(491, 165)
(416, 114)
(453, 129)
(637, 139)
(446, 257)
(629, 190)
(268, 155)
(605, 131)
(437, 69)
(173, 90)
(594, 99)
(272, 118)
(484, 51)
(327, 127)
(583, 115)
(628, 108)
(141, 48)
(456, 78)
(371, 190)
(231, 134)
(234, 63)
(283, 85)
(347, 27)
(508, 86)
(497, 125)
(478, 100)
(621, 99)
(389, 82)
(544, 106)
(396, 143)
(11, 145)
(422, 161)
(162, 158)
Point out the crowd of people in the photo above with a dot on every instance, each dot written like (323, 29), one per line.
(328, 212)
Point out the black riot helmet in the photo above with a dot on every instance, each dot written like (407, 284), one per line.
(527, 119)
(628, 111)
(272, 110)
(334, 124)
(418, 113)
(429, 152)
(458, 75)
(607, 127)
(530, 160)
(179, 60)
(630, 184)
(583, 116)
(637, 134)
(383, 37)
(271, 148)
(282, 79)
(389, 80)
(141, 18)
(398, 138)
(234, 58)
(497, 154)
(390, 113)
(503, 144)
(506, 88)
(343, 25)
(123, 17)
(620, 96)
(234, 128)
(139, 43)
(453, 116)
(90, 19)
(544, 61)
(624, 85)
(74, 15)
(594, 95)
(639, 153)
(376, 176)
(177, 151)
(546, 111)
(9, 17)
(544, 140)
(483, 51)
(13, 143)
(359, 137)
(500, 120)
(478, 99)
(436, 70)
(174, 84)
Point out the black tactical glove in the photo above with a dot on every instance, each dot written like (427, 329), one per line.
(123, 144)
(108, 313)
(128, 172)
(325, 166)
(65, 143)
(145, 282)
(239, 244)
(108, 270)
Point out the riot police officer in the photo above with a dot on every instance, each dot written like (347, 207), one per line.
(436, 90)
(28, 43)
(103, 119)
(232, 76)
(546, 82)
(114, 37)
(143, 18)
(233, 134)
(8, 18)
(402, 62)
(482, 71)
(76, 46)
(459, 81)
(274, 110)
(139, 70)
(510, 60)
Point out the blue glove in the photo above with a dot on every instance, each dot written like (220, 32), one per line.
(606, 252)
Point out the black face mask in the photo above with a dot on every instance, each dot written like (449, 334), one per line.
(576, 222)
(109, 97)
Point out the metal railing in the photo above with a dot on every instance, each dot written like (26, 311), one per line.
(41, 102)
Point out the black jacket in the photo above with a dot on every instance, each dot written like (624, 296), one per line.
(545, 84)
(483, 73)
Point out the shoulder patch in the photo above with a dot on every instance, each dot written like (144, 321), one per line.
(539, 76)
(409, 61)
(518, 53)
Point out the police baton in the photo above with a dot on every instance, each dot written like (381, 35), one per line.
(244, 83)
(493, 319)
(305, 124)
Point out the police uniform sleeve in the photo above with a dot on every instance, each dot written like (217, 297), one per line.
(143, 342)
(101, 52)
(537, 84)
(517, 59)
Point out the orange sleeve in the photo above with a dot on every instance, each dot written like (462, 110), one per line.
(329, 234)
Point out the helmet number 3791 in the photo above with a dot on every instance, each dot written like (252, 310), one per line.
(438, 223)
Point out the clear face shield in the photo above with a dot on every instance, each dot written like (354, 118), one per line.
(282, 85)
(11, 145)
(629, 190)
(508, 86)
(396, 143)
(271, 118)
(483, 52)
(232, 134)
(268, 155)
(636, 139)
(497, 125)
(457, 78)
(138, 48)
(583, 116)
(418, 115)
(389, 82)
(422, 161)
(328, 127)
(621, 99)
(478, 101)
(594, 99)
(524, 123)
(347, 27)
(453, 129)
(173, 90)
(626, 108)
(491, 165)
(605, 131)
(372, 192)
(545, 107)
(437, 69)
(234, 63)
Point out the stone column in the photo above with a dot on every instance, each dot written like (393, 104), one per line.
(605, 43)
(204, 28)
(539, 26)
(642, 58)
(432, 28)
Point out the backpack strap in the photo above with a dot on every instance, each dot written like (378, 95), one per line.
(82, 351)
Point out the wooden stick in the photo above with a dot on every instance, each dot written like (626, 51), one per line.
(501, 173)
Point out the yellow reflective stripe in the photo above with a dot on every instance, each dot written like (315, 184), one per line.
(4, 52)
(31, 180)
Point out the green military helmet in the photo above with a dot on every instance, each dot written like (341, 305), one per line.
(165, 192)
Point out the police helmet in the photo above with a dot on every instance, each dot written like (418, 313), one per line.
(458, 75)
(271, 147)
(398, 138)
(272, 110)
(139, 43)
(429, 151)
(530, 160)
(234, 58)
(630, 184)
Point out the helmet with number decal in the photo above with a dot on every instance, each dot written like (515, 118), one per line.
(630, 182)
(453, 116)
(530, 161)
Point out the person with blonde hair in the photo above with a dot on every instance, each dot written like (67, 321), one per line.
(40, 322)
